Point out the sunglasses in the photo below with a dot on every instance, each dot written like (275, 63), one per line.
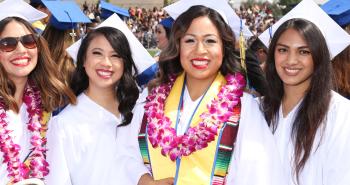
(9, 44)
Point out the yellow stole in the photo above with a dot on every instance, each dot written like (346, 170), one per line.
(196, 168)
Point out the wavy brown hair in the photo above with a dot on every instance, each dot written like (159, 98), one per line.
(45, 76)
(314, 107)
(169, 59)
(341, 68)
(58, 40)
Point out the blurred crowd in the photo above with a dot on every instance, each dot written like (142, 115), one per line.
(142, 22)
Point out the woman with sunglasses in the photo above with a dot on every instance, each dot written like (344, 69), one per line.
(31, 87)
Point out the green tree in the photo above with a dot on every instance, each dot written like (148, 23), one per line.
(167, 2)
(288, 4)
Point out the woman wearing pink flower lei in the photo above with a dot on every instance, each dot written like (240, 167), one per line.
(197, 126)
(31, 87)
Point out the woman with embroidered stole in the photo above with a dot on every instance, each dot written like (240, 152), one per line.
(310, 122)
(82, 139)
(31, 88)
(197, 125)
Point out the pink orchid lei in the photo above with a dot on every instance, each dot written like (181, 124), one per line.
(38, 166)
(220, 110)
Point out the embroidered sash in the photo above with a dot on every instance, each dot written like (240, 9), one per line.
(208, 166)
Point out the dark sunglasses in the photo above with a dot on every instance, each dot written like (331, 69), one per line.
(9, 44)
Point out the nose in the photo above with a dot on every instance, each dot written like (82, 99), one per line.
(292, 58)
(20, 47)
(201, 48)
(106, 62)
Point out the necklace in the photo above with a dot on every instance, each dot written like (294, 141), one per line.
(38, 166)
(219, 110)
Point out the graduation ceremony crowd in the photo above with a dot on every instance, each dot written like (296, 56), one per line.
(224, 101)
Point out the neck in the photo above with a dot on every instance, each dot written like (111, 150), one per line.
(20, 85)
(292, 96)
(105, 98)
(197, 87)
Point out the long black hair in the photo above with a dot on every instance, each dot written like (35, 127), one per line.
(314, 106)
(126, 91)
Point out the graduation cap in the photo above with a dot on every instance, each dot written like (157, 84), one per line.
(167, 22)
(141, 57)
(19, 8)
(338, 10)
(337, 39)
(65, 14)
(107, 9)
(221, 6)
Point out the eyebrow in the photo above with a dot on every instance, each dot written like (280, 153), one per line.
(96, 49)
(206, 35)
(300, 47)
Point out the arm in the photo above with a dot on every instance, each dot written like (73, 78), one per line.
(147, 179)
(56, 157)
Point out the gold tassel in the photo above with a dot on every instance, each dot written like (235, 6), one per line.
(242, 50)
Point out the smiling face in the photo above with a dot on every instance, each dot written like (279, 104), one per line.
(20, 62)
(103, 65)
(201, 50)
(293, 60)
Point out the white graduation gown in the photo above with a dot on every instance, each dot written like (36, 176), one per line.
(83, 146)
(329, 162)
(20, 135)
(254, 158)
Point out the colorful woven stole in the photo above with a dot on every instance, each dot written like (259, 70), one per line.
(208, 166)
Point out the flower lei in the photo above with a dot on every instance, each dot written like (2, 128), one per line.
(220, 110)
(38, 166)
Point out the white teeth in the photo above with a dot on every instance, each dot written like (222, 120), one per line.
(199, 62)
(104, 73)
(292, 71)
(20, 61)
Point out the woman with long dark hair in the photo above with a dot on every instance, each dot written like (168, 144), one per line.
(82, 139)
(197, 126)
(310, 122)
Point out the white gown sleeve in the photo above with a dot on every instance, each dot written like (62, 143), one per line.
(336, 167)
(128, 137)
(255, 160)
(56, 137)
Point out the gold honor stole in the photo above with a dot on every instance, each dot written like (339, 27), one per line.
(44, 120)
(207, 166)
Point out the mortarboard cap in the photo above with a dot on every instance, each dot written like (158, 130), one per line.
(221, 6)
(167, 22)
(19, 8)
(141, 57)
(338, 10)
(65, 14)
(107, 9)
(337, 39)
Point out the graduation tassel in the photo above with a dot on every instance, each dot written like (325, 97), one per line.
(242, 48)
(72, 34)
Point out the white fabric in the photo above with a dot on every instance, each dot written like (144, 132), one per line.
(20, 135)
(19, 8)
(187, 111)
(329, 162)
(83, 146)
(254, 161)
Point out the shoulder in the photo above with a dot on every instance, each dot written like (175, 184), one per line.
(338, 110)
(70, 114)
